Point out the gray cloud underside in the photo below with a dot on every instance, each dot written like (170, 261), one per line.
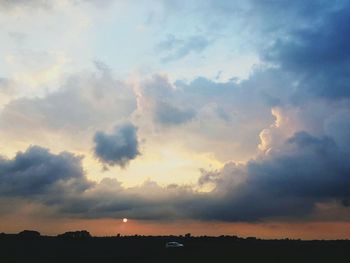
(318, 56)
(36, 173)
(84, 101)
(167, 114)
(310, 170)
(119, 147)
(290, 184)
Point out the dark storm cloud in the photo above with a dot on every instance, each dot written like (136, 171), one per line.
(58, 181)
(287, 183)
(38, 172)
(319, 55)
(118, 147)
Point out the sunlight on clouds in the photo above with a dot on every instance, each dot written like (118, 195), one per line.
(278, 117)
(222, 102)
(266, 137)
(36, 70)
(164, 165)
(283, 127)
(265, 140)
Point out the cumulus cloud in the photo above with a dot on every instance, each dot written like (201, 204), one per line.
(119, 147)
(38, 173)
(84, 103)
(300, 161)
(286, 183)
(318, 55)
(58, 182)
(290, 183)
(213, 116)
(170, 115)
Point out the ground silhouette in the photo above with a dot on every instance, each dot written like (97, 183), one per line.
(80, 246)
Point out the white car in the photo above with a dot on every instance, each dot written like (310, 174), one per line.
(173, 244)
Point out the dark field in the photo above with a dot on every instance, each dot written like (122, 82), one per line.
(152, 249)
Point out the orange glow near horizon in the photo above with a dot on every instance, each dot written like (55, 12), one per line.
(112, 227)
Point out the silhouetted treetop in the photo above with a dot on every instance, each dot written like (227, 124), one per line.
(29, 233)
(75, 234)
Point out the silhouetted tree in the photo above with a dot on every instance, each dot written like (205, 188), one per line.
(75, 234)
(29, 234)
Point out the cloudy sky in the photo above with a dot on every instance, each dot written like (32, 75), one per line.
(209, 117)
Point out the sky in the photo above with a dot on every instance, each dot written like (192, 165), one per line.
(209, 117)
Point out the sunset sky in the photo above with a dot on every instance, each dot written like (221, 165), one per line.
(204, 116)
